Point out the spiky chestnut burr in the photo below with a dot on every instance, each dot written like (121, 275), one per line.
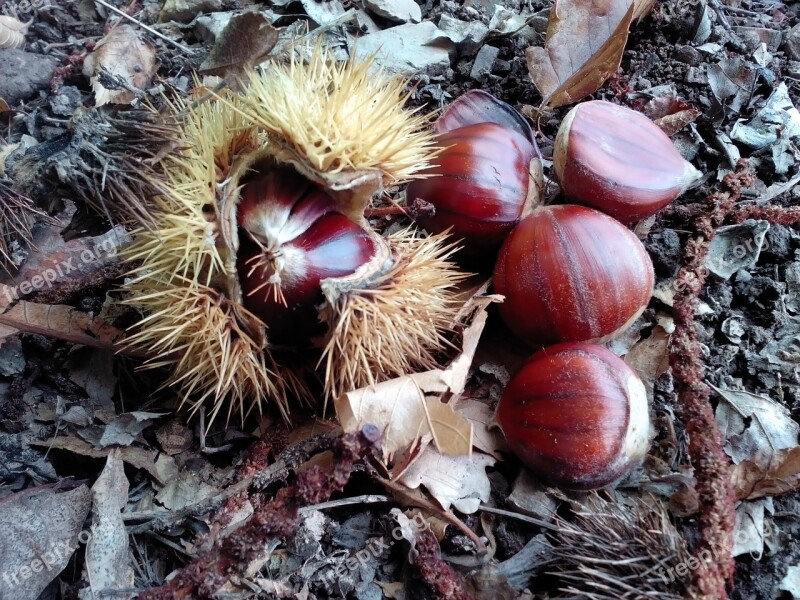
(341, 127)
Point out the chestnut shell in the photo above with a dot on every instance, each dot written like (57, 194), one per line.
(618, 161)
(478, 186)
(576, 415)
(571, 273)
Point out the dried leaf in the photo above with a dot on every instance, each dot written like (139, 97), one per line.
(767, 474)
(39, 531)
(458, 481)
(408, 408)
(583, 48)
(4, 107)
(121, 66)
(764, 474)
(486, 437)
(642, 9)
(58, 321)
(56, 269)
(244, 43)
(752, 424)
(12, 33)
(649, 357)
(162, 468)
(752, 527)
(109, 564)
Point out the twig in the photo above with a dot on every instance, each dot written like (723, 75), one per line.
(233, 554)
(124, 15)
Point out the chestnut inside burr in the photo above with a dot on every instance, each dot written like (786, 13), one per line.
(291, 237)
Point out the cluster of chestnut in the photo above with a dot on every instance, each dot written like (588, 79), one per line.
(573, 275)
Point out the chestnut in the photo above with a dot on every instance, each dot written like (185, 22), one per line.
(618, 161)
(571, 273)
(478, 186)
(576, 415)
(291, 237)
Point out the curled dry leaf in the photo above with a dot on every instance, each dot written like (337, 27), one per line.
(4, 107)
(583, 48)
(121, 65)
(245, 42)
(409, 408)
(12, 33)
(458, 481)
(58, 321)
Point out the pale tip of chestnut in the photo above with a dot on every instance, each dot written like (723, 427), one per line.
(637, 437)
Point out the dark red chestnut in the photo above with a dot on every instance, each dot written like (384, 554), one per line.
(571, 273)
(576, 415)
(292, 236)
(478, 186)
(618, 161)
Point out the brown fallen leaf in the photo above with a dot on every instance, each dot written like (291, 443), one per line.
(40, 529)
(649, 357)
(109, 563)
(245, 42)
(767, 474)
(58, 321)
(458, 481)
(643, 8)
(56, 269)
(4, 107)
(671, 114)
(583, 48)
(121, 66)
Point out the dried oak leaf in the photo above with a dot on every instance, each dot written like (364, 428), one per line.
(752, 424)
(121, 66)
(159, 466)
(583, 48)
(245, 42)
(58, 321)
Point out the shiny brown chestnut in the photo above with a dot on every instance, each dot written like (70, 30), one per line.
(618, 161)
(478, 186)
(292, 236)
(576, 415)
(571, 273)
